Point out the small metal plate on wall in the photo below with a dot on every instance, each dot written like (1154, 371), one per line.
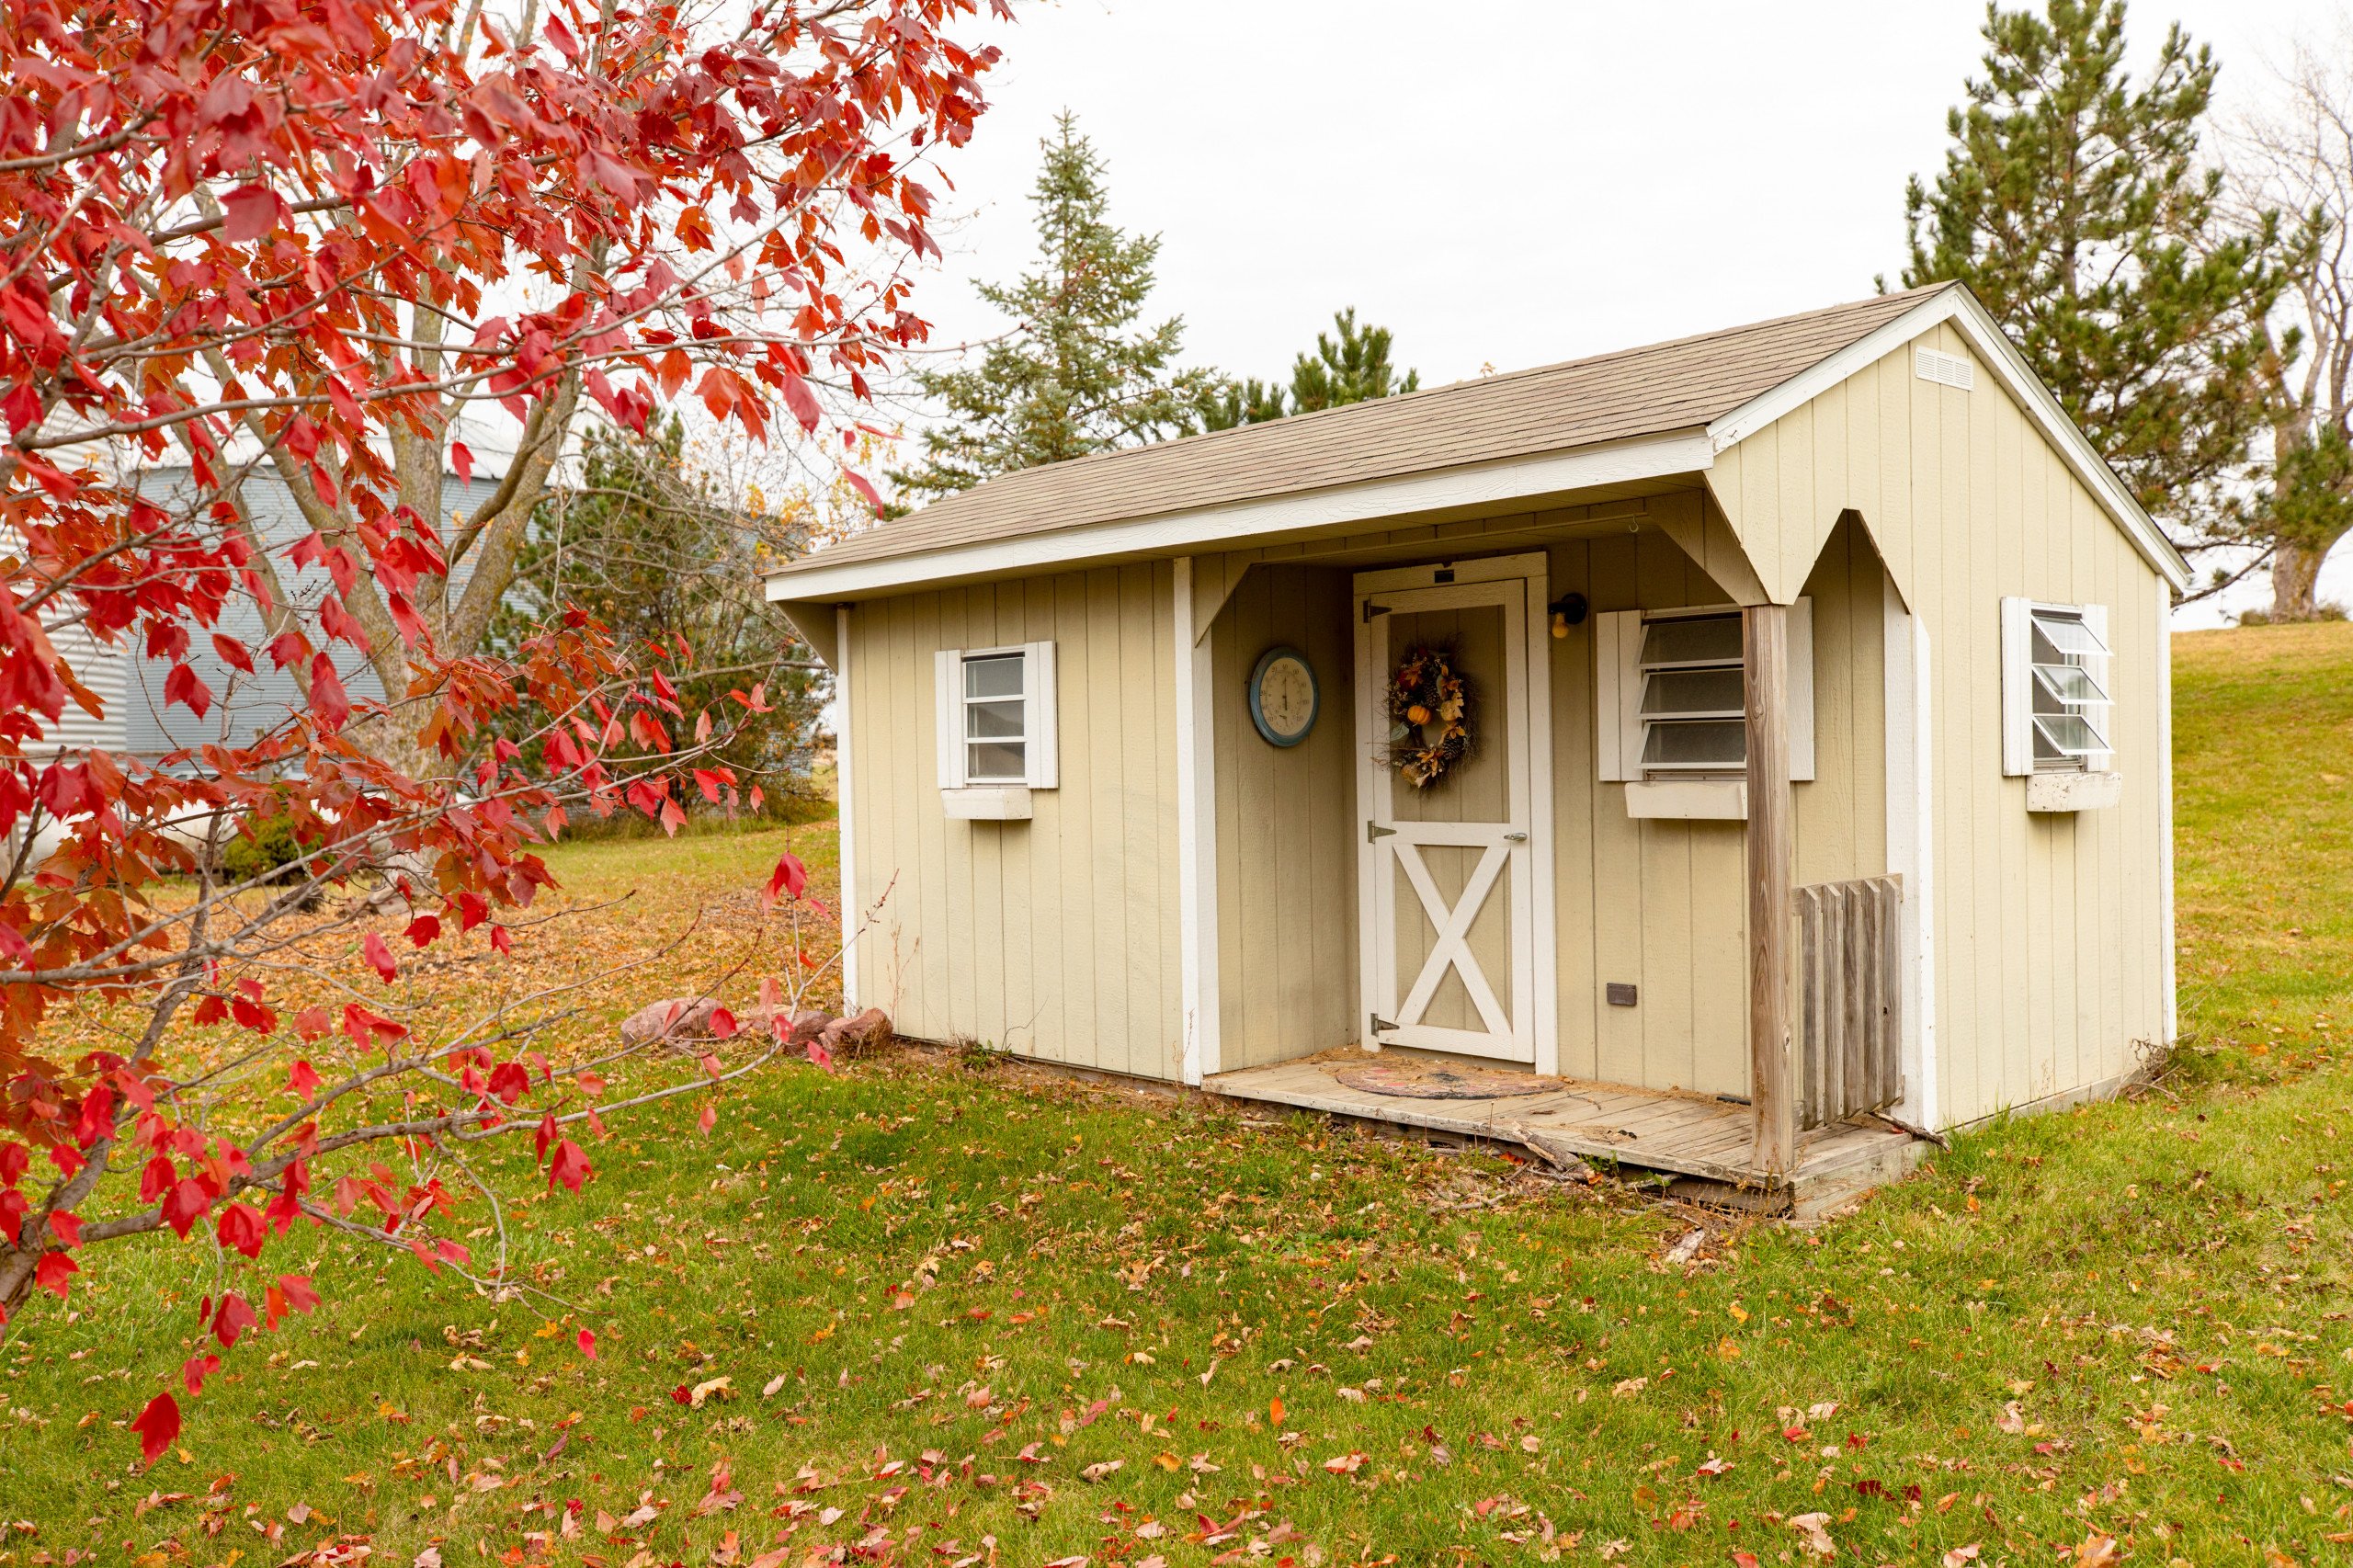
(1619, 994)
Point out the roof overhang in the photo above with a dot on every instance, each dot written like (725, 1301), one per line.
(1493, 487)
(1974, 322)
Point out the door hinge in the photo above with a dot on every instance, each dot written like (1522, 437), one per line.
(1371, 610)
(1383, 1026)
(1374, 833)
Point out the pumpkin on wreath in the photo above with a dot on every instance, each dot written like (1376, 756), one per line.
(1429, 705)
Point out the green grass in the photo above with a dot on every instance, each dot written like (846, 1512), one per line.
(973, 1284)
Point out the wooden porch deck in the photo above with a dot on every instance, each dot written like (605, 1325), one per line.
(1698, 1137)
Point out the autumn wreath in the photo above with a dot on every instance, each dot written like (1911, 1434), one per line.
(1429, 717)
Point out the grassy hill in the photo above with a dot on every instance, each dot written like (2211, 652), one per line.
(955, 1312)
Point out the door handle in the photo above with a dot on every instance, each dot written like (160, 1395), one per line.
(1515, 838)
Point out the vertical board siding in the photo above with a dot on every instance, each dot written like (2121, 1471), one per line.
(1660, 904)
(1286, 825)
(1046, 936)
(2051, 948)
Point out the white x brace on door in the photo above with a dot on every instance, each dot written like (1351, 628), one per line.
(1454, 877)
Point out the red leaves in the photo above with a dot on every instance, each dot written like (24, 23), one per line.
(361, 1026)
(379, 957)
(54, 1272)
(157, 1425)
(569, 1167)
(182, 686)
(300, 1296)
(790, 879)
(587, 1343)
(292, 1293)
(186, 1204)
(196, 1368)
(328, 702)
(424, 931)
(302, 1081)
(249, 212)
(241, 1229)
(231, 1319)
(510, 1081)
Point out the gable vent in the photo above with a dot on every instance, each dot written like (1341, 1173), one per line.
(1945, 369)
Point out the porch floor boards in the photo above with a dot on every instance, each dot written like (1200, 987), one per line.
(1689, 1136)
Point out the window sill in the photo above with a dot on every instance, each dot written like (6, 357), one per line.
(986, 802)
(1699, 800)
(2074, 792)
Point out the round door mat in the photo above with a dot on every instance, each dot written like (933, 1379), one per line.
(1433, 1080)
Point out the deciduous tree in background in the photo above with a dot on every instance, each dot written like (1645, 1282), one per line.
(1077, 373)
(2076, 205)
(301, 235)
(2298, 158)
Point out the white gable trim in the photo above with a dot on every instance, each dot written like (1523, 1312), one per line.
(1971, 319)
(1208, 528)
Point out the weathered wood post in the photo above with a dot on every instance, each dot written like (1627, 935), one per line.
(1764, 649)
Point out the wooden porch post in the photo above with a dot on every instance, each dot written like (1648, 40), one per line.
(1771, 856)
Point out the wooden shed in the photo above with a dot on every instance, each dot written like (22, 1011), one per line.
(1805, 772)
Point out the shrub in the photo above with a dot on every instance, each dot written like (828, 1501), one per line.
(259, 847)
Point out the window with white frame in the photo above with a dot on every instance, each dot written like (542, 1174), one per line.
(1671, 699)
(2055, 689)
(996, 717)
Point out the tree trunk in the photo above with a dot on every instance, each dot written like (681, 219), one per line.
(2295, 578)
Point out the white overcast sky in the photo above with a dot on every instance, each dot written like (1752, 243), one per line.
(1505, 182)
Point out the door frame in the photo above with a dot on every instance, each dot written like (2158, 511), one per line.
(1531, 570)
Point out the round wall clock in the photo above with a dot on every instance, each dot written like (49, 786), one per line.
(1282, 697)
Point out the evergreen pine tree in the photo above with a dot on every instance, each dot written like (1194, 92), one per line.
(2074, 205)
(1077, 374)
(1354, 369)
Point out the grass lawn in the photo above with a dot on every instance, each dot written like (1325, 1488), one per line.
(949, 1311)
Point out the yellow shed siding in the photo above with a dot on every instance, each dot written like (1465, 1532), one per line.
(2048, 941)
(1662, 904)
(1056, 936)
(1286, 827)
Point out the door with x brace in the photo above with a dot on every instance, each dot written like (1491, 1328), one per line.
(1447, 889)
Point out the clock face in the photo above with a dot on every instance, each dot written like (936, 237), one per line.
(1282, 697)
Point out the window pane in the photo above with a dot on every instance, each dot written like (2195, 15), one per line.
(1709, 743)
(1692, 691)
(993, 720)
(1708, 639)
(999, 675)
(2061, 684)
(995, 762)
(2067, 734)
(2060, 637)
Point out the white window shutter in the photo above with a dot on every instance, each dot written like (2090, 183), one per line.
(2018, 687)
(948, 688)
(1617, 694)
(1800, 698)
(1038, 693)
(2095, 620)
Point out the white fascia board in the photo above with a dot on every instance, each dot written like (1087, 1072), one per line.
(1958, 305)
(1211, 527)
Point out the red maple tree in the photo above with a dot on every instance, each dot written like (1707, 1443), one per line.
(295, 238)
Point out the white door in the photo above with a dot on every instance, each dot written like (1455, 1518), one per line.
(1453, 894)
